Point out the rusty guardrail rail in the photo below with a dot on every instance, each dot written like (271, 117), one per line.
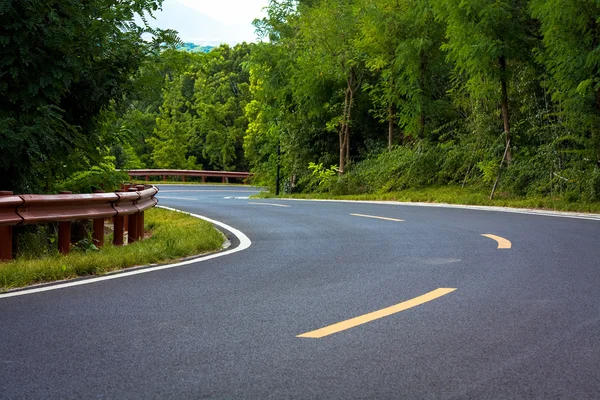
(225, 175)
(126, 208)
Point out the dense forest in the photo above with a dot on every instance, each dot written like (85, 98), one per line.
(380, 95)
(347, 96)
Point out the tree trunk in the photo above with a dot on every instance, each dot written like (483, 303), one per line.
(422, 69)
(348, 125)
(344, 132)
(391, 117)
(505, 112)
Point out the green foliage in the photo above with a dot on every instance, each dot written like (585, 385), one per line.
(399, 169)
(61, 63)
(320, 179)
(103, 177)
(571, 32)
(36, 241)
(201, 121)
(443, 85)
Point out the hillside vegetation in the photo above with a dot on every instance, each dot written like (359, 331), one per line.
(346, 96)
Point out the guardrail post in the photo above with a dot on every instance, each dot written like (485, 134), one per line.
(98, 226)
(6, 236)
(147, 178)
(164, 178)
(64, 234)
(140, 218)
(203, 179)
(5, 243)
(64, 237)
(118, 227)
(126, 220)
(132, 221)
(183, 178)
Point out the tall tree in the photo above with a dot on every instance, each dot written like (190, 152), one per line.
(175, 126)
(402, 40)
(221, 95)
(485, 39)
(329, 31)
(61, 62)
(571, 39)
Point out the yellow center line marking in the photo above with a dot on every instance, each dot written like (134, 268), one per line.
(376, 217)
(502, 243)
(363, 319)
(269, 204)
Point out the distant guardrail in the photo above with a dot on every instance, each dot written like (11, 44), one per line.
(126, 207)
(224, 175)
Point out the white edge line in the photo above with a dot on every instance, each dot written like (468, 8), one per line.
(244, 244)
(543, 213)
(178, 198)
(268, 204)
(378, 217)
(208, 190)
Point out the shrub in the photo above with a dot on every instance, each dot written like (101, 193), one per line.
(97, 178)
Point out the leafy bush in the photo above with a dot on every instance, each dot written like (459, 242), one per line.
(103, 177)
(399, 169)
(320, 179)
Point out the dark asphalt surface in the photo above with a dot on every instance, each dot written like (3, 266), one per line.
(524, 323)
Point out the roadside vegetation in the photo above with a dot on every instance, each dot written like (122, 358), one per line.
(382, 99)
(171, 236)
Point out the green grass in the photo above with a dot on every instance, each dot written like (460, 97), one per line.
(458, 195)
(173, 236)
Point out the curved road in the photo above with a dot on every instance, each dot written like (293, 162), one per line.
(332, 300)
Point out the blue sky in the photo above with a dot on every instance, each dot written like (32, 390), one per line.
(211, 21)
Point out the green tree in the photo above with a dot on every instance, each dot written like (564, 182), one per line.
(175, 126)
(486, 40)
(571, 55)
(132, 120)
(402, 40)
(328, 30)
(221, 94)
(61, 62)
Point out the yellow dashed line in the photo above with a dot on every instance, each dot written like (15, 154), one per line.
(363, 319)
(502, 243)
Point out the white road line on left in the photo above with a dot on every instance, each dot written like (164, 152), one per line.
(177, 198)
(245, 242)
(269, 204)
(377, 217)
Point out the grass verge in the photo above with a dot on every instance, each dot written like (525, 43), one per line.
(173, 235)
(459, 195)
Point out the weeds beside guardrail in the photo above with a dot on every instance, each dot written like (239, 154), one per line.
(173, 235)
(126, 207)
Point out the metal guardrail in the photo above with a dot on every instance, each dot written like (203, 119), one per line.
(224, 175)
(125, 207)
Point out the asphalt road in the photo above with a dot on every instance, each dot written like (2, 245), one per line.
(522, 323)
